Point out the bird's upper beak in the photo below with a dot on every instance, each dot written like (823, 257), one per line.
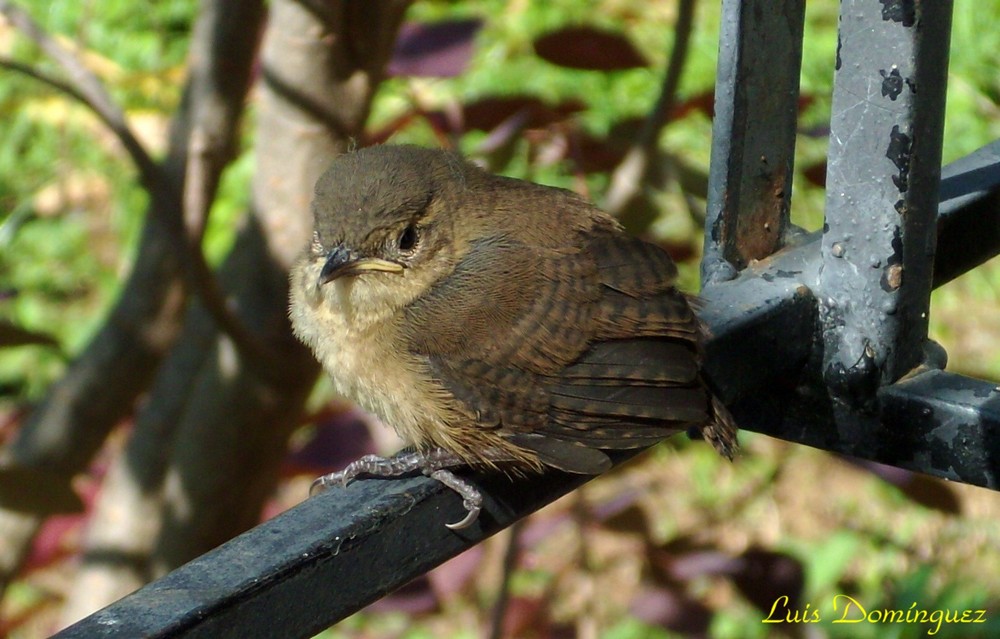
(342, 261)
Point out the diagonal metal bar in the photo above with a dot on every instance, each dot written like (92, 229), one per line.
(968, 225)
(320, 561)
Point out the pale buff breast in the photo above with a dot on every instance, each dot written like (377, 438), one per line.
(358, 350)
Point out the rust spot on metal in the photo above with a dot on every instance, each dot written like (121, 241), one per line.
(894, 276)
(762, 218)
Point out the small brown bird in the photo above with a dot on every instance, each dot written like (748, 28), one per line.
(494, 322)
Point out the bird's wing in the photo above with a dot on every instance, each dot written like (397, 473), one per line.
(566, 351)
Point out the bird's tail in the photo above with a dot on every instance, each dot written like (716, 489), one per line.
(721, 430)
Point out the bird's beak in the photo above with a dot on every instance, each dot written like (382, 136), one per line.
(342, 261)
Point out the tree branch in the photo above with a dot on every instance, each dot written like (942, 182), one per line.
(199, 186)
(61, 435)
(631, 174)
(83, 85)
(199, 192)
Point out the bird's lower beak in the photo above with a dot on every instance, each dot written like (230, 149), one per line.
(342, 261)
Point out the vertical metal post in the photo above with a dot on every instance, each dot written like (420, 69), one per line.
(753, 135)
(882, 192)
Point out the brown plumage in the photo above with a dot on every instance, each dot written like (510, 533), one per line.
(505, 323)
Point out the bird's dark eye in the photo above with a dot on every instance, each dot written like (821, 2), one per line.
(408, 239)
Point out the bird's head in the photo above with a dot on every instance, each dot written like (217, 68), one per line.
(385, 221)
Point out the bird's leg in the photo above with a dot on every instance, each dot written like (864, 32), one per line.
(371, 465)
(435, 463)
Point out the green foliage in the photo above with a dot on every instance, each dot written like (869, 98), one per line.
(70, 204)
(635, 629)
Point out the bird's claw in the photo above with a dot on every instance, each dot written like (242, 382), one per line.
(472, 499)
(324, 482)
(376, 466)
(319, 485)
(470, 517)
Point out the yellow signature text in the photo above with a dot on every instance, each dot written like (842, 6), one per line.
(847, 609)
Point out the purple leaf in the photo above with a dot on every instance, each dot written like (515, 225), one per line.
(439, 50)
(454, 575)
(416, 597)
(672, 610)
(929, 492)
(589, 48)
(505, 135)
(341, 436)
(629, 520)
(672, 567)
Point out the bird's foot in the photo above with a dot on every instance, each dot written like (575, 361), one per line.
(472, 499)
(434, 463)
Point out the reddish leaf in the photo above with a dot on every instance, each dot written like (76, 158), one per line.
(816, 174)
(704, 102)
(14, 335)
(394, 126)
(503, 115)
(543, 527)
(623, 501)
(526, 617)
(817, 131)
(487, 113)
(680, 252)
(58, 537)
(764, 576)
(601, 155)
(439, 50)
(55, 541)
(598, 155)
(500, 144)
(589, 48)
(10, 421)
(627, 130)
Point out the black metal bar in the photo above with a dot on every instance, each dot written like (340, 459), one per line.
(320, 561)
(753, 134)
(945, 425)
(771, 301)
(882, 192)
(936, 423)
(969, 214)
